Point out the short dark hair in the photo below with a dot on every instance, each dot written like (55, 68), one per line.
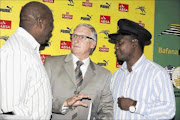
(31, 12)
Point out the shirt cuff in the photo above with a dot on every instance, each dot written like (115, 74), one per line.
(64, 109)
(140, 108)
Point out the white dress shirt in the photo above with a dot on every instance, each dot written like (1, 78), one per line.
(84, 66)
(25, 86)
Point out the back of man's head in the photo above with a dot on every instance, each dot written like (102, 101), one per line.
(31, 12)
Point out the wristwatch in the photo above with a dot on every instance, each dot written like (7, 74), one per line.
(132, 108)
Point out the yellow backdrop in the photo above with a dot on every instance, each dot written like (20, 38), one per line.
(102, 14)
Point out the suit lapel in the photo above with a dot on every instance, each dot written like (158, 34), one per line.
(90, 73)
(68, 66)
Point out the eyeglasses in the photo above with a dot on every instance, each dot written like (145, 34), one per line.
(82, 37)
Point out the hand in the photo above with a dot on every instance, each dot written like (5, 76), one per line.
(125, 103)
(76, 101)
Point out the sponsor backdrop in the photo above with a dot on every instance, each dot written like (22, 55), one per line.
(103, 15)
(167, 42)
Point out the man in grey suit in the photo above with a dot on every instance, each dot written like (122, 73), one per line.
(91, 97)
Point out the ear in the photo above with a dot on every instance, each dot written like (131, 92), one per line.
(135, 42)
(93, 44)
(40, 22)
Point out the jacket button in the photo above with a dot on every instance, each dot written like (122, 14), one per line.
(75, 92)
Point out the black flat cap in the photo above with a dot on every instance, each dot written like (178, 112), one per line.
(128, 27)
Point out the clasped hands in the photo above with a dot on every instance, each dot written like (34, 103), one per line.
(124, 103)
(77, 101)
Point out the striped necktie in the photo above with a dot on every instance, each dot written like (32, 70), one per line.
(78, 74)
(79, 80)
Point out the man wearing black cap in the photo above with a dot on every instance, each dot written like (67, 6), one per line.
(141, 89)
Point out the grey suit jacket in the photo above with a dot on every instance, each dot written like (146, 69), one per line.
(95, 83)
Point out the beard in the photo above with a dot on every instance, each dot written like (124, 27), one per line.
(120, 62)
(42, 46)
(46, 44)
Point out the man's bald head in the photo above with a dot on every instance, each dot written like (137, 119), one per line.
(37, 19)
(31, 12)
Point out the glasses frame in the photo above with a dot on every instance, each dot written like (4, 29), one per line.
(82, 37)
